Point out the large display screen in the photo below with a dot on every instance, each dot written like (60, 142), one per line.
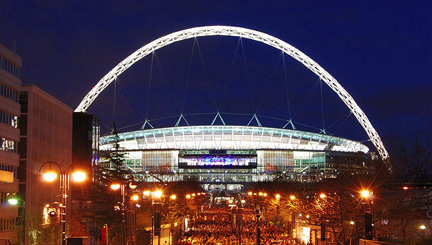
(217, 161)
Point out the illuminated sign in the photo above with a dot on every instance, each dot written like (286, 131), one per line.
(222, 161)
(241, 152)
(218, 152)
(194, 152)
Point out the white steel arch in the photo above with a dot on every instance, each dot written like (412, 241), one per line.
(248, 34)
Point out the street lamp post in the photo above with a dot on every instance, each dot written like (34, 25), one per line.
(422, 231)
(240, 219)
(127, 221)
(50, 176)
(278, 201)
(172, 198)
(291, 203)
(368, 214)
(260, 196)
(156, 202)
(258, 231)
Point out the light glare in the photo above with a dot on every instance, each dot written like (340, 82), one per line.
(79, 176)
(133, 185)
(115, 186)
(158, 193)
(50, 176)
(365, 193)
(13, 201)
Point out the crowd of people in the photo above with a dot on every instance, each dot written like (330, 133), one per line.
(221, 225)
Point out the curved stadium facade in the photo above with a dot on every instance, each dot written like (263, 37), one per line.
(227, 157)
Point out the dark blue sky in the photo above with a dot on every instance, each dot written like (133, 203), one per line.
(380, 52)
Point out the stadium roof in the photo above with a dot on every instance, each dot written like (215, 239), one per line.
(230, 138)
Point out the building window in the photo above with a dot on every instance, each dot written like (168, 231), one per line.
(7, 224)
(8, 145)
(9, 93)
(8, 168)
(10, 67)
(4, 196)
(8, 119)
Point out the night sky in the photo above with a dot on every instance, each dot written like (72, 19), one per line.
(379, 51)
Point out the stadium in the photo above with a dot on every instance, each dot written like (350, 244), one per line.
(228, 156)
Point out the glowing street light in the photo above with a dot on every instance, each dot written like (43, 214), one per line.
(50, 176)
(133, 185)
(157, 194)
(115, 186)
(79, 176)
(365, 193)
(13, 201)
